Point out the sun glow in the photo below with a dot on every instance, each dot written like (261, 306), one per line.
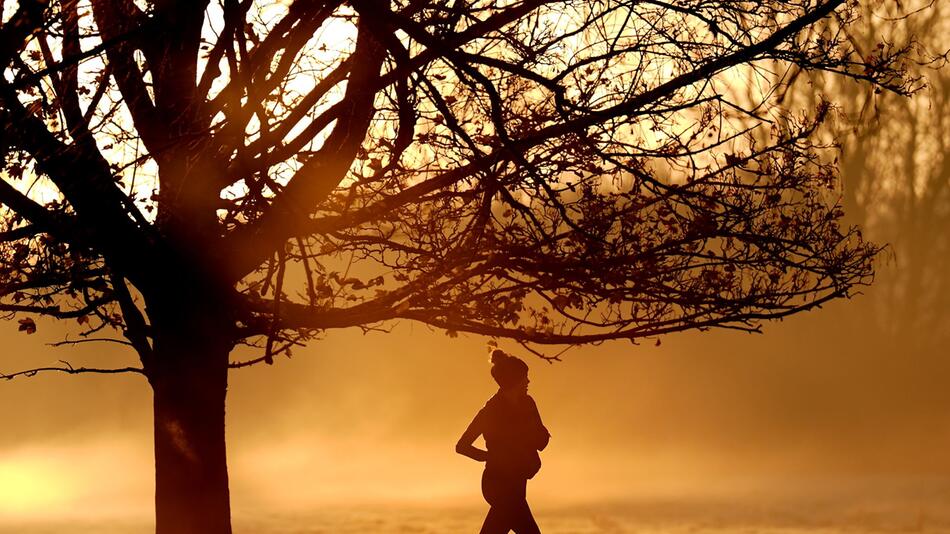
(30, 483)
(88, 479)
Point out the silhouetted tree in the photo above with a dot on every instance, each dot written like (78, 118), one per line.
(199, 175)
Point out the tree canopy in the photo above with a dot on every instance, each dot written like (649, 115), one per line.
(554, 172)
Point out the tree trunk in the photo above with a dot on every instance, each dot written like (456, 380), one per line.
(189, 377)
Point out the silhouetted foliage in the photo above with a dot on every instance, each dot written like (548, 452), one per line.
(197, 175)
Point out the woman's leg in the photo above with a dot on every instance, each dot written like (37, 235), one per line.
(502, 496)
(494, 522)
(522, 521)
(509, 505)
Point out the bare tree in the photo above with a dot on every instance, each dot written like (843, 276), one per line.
(198, 175)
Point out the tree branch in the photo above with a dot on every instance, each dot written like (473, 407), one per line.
(69, 369)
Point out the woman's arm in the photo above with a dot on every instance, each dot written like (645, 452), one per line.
(542, 436)
(465, 445)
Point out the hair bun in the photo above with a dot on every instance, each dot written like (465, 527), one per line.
(498, 356)
(507, 370)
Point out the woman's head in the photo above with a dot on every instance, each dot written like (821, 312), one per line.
(510, 372)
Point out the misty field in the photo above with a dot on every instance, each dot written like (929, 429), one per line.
(654, 518)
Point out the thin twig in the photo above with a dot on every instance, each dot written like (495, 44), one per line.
(90, 340)
(69, 369)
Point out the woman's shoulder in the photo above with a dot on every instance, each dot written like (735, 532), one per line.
(529, 404)
(500, 407)
(493, 402)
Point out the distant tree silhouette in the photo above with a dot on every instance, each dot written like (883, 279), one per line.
(898, 187)
(199, 175)
(895, 169)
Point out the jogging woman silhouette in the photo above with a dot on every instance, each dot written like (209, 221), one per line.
(513, 436)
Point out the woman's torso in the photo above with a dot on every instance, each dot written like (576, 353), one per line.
(513, 434)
